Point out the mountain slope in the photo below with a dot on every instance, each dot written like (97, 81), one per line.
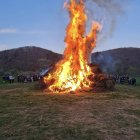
(27, 59)
(122, 60)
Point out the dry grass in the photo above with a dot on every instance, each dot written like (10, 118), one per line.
(26, 113)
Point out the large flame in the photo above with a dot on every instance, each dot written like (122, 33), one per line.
(72, 72)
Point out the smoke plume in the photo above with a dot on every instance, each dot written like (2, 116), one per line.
(106, 12)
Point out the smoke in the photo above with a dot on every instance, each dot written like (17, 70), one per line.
(106, 12)
(110, 5)
(107, 62)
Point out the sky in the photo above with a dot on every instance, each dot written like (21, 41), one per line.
(42, 23)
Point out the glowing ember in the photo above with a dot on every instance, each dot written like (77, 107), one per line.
(72, 72)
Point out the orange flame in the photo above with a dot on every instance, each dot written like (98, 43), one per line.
(72, 72)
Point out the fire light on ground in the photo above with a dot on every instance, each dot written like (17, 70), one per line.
(73, 72)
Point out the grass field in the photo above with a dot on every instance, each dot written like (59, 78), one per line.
(30, 114)
(138, 81)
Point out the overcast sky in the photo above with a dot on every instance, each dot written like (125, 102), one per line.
(42, 23)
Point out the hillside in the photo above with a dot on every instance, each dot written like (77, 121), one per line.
(27, 59)
(122, 60)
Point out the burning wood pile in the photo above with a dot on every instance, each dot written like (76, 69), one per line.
(101, 82)
(73, 72)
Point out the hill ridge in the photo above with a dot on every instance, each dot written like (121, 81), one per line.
(33, 58)
(28, 58)
(120, 60)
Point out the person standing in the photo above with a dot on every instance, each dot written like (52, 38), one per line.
(11, 79)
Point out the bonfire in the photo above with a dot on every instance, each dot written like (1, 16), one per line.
(73, 72)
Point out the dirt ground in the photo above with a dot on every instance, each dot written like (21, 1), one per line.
(27, 113)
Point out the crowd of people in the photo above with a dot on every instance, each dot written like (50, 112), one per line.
(124, 79)
(23, 78)
(27, 78)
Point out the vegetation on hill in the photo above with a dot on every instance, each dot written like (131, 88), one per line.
(122, 60)
(27, 59)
